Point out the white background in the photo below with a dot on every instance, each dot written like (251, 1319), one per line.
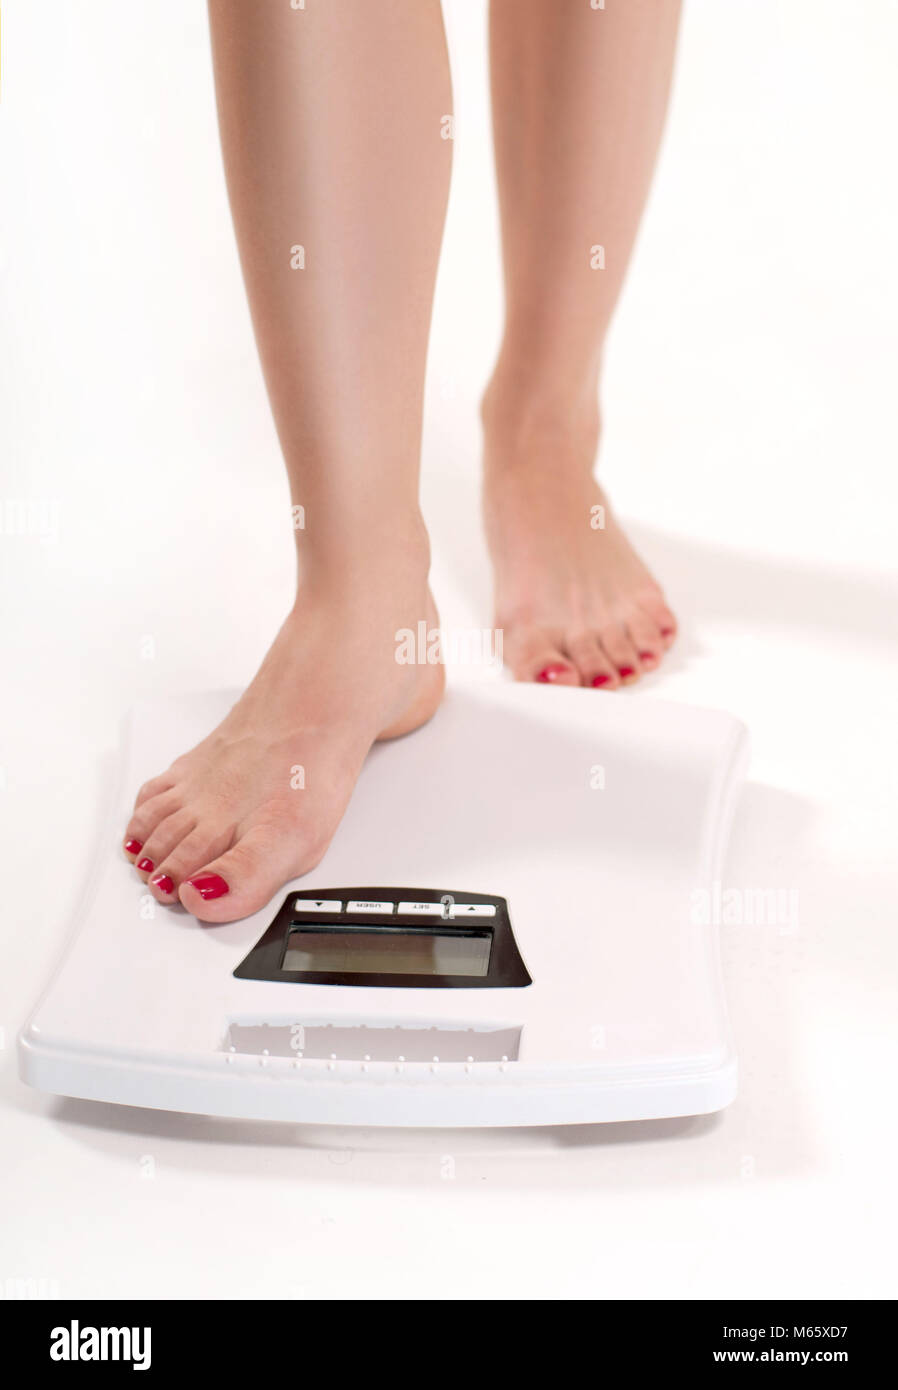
(750, 440)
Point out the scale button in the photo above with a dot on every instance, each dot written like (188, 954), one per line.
(317, 905)
(453, 913)
(382, 908)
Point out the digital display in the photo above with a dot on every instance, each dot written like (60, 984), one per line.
(397, 951)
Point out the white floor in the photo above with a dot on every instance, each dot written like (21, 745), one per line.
(750, 438)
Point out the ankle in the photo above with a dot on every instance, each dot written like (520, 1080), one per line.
(385, 555)
(524, 419)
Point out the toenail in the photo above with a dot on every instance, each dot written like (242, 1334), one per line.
(209, 886)
(133, 846)
(667, 632)
(626, 671)
(146, 866)
(163, 883)
(551, 673)
(647, 656)
(600, 680)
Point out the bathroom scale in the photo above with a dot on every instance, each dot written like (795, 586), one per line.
(507, 929)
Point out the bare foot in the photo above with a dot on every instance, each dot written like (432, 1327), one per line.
(575, 603)
(258, 801)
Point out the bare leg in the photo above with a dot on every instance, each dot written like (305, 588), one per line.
(579, 97)
(330, 122)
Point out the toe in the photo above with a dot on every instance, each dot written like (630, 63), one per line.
(620, 651)
(537, 655)
(646, 636)
(593, 666)
(161, 843)
(655, 608)
(553, 670)
(145, 819)
(154, 787)
(245, 878)
(203, 843)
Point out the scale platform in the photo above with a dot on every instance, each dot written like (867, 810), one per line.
(503, 932)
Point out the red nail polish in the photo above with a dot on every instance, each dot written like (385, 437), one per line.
(133, 846)
(163, 883)
(209, 886)
(551, 673)
(626, 671)
(646, 656)
(667, 632)
(146, 866)
(600, 680)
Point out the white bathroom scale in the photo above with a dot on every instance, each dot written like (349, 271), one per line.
(506, 930)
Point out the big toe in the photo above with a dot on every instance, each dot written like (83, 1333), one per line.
(244, 879)
(534, 654)
(654, 606)
(646, 637)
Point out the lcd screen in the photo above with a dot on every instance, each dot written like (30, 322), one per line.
(393, 952)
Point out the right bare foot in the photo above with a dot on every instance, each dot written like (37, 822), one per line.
(258, 801)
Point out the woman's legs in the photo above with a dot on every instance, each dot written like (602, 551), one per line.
(579, 98)
(330, 121)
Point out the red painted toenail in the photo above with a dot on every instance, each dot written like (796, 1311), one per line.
(146, 866)
(551, 673)
(133, 846)
(600, 680)
(163, 883)
(209, 886)
(667, 632)
(646, 656)
(626, 671)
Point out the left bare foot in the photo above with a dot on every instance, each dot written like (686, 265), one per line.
(576, 604)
